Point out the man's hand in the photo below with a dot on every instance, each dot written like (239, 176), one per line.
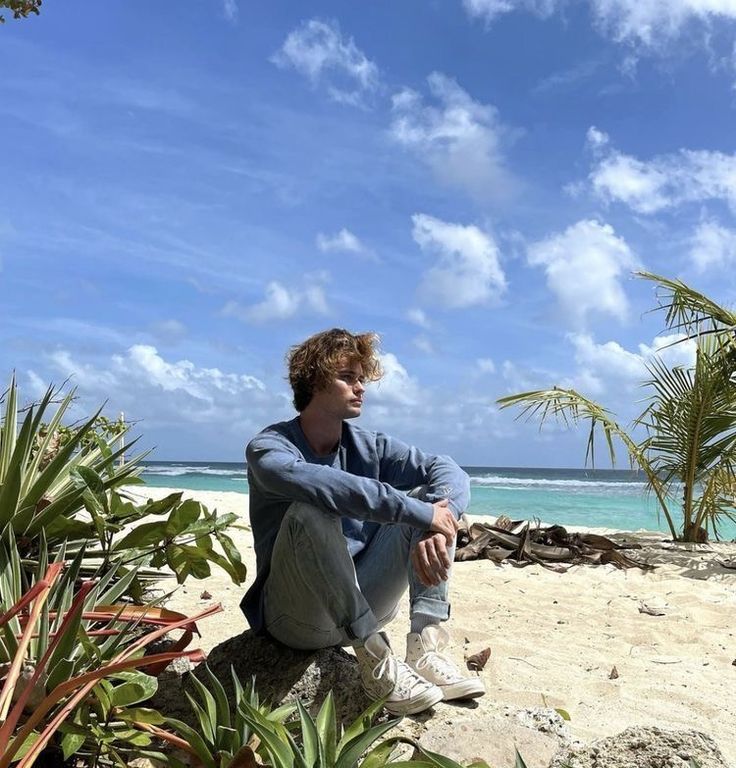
(443, 521)
(431, 560)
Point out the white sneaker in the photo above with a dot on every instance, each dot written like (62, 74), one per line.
(384, 675)
(424, 655)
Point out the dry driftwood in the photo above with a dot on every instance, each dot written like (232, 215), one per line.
(552, 546)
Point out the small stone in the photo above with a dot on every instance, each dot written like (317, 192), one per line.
(613, 674)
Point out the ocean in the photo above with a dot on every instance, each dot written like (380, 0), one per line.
(600, 498)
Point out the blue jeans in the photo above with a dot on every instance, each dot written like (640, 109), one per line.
(317, 596)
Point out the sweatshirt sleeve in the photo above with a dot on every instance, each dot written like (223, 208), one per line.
(404, 466)
(282, 473)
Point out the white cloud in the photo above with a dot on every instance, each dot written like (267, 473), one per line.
(674, 349)
(318, 50)
(418, 317)
(645, 23)
(486, 365)
(625, 179)
(489, 9)
(468, 270)
(147, 386)
(230, 10)
(282, 303)
(655, 22)
(460, 138)
(584, 266)
(343, 241)
(609, 366)
(713, 246)
(608, 360)
(396, 387)
(666, 181)
(596, 138)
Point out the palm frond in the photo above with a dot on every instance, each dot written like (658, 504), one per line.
(568, 406)
(687, 309)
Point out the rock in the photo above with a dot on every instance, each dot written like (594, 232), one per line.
(281, 675)
(466, 734)
(545, 720)
(645, 748)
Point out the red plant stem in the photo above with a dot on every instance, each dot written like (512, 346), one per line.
(38, 587)
(64, 688)
(172, 738)
(87, 683)
(52, 574)
(77, 605)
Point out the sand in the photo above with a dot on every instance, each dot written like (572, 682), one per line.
(555, 638)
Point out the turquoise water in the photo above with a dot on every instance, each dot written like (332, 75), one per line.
(593, 498)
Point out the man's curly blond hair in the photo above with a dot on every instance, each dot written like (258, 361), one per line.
(314, 363)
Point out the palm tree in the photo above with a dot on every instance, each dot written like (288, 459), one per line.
(689, 423)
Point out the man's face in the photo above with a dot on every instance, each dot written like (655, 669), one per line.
(343, 398)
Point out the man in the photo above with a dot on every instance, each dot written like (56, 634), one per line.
(344, 520)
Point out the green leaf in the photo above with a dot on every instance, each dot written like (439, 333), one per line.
(223, 705)
(519, 760)
(141, 715)
(206, 724)
(137, 687)
(103, 692)
(195, 741)
(71, 742)
(437, 760)
(379, 755)
(144, 535)
(185, 561)
(91, 479)
(182, 517)
(277, 741)
(351, 752)
(361, 723)
(209, 702)
(563, 713)
(165, 505)
(313, 753)
(327, 729)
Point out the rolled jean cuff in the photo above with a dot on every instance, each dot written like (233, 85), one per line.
(364, 626)
(430, 606)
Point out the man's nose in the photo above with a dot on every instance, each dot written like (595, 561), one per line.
(359, 386)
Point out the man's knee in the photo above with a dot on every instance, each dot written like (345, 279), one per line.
(321, 527)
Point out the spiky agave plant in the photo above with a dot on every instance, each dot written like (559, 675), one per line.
(68, 653)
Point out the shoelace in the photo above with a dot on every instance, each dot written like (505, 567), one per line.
(441, 663)
(389, 663)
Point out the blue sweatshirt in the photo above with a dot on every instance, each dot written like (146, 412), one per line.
(364, 482)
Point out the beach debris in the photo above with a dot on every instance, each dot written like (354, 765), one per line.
(730, 563)
(653, 608)
(478, 661)
(733, 663)
(522, 543)
(205, 595)
(613, 675)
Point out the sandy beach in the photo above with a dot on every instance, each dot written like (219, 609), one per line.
(578, 641)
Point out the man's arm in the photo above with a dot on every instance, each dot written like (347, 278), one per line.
(448, 489)
(404, 466)
(282, 472)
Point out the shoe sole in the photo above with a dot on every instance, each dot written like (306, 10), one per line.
(413, 706)
(466, 689)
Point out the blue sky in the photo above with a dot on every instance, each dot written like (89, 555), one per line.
(190, 188)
